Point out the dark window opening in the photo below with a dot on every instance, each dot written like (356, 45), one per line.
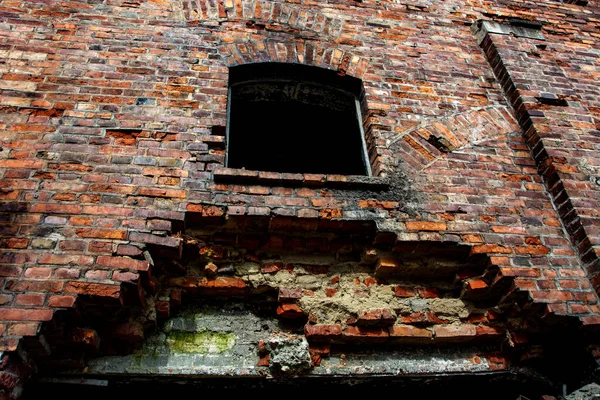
(295, 118)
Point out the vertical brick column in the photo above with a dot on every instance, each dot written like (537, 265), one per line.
(558, 128)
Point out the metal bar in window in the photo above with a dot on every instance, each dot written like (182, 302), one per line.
(365, 154)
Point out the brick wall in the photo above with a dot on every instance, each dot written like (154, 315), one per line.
(481, 126)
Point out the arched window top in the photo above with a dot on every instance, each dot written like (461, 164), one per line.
(240, 74)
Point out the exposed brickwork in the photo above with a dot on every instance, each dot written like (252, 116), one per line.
(479, 225)
(560, 134)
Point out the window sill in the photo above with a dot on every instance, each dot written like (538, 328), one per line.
(351, 182)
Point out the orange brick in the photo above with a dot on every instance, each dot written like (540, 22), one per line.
(93, 289)
(400, 331)
(387, 265)
(425, 226)
(289, 311)
(158, 192)
(490, 248)
(102, 233)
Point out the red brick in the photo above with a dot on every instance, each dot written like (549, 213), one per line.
(455, 332)
(158, 192)
(56, 208)
(289, 311)
(206, 210)
(476, 284)
(484, 330)
(472, 238)
(554, 295)
(14, 243)
(592, 320)
(20, 314)
(119, 276)
(34, 286)
(166, 241)
(9, 257)
(404, 291)
(533, 250)
(30, 299)
(93, 289)
(38, 273)
(96, 275)
(159, 225)
(108, 210)
(128, 250)
(382, 317)
(490, 248)
(99, 247)
(428, 293)
(59, 259)
(67, 273)
(28, 164)
(323, 331)
(369, 333)
(72, 245)
(10, 271)
(120, 189)
(123, 263)
(522, 272)
(222, 285)
(80, 221)
(61, 301)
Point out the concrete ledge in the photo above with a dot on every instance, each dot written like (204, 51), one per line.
(518, 28)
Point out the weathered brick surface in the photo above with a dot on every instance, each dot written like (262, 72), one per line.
(480, 135)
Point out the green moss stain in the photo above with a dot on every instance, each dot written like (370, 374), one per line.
(200, 342)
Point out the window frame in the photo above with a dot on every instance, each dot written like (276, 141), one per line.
(354, 87)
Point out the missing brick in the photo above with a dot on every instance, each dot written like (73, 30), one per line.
(217, 130)
(525, 23)
(551, 99)
(125, 137)
(441, 143)
(144, 101)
